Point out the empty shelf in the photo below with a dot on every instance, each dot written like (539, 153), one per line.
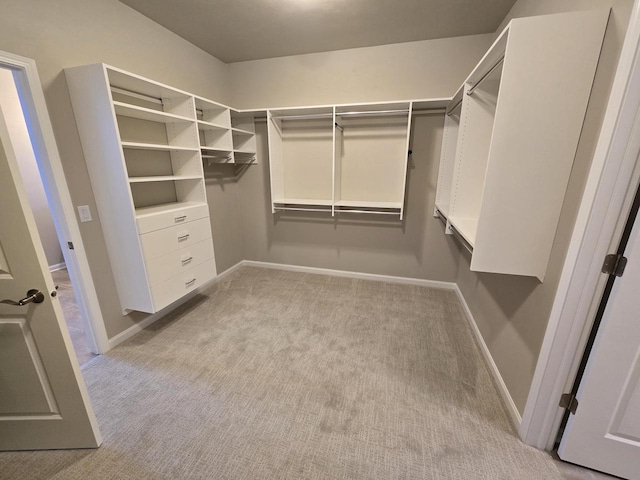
(467, 227)
(134, 111)
(163, 178)
(303, 201)
(202, 125)
(154, 146)
(165, 208)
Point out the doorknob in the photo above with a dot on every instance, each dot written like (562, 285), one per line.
(33, 296)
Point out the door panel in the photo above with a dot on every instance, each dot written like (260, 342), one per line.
(604, 434)
(43, 400)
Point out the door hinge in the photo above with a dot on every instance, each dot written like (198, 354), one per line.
(614, 264)
(70, 245)
(569, 401)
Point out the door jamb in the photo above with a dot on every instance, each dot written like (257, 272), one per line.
(45, 148)
(605, 196)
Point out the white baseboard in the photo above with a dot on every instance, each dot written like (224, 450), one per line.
(516, 418)
(138, 327)
(345, 273)
(57, 266)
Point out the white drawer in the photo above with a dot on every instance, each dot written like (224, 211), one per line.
(158, 243)
(156, 221)
(171, 290)
(163, 268)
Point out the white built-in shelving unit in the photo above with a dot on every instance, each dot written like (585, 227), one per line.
(511, 134)
(341, 158)
(144, 144)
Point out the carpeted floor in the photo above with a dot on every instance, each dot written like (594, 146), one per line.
(281, 375)
(72, 315)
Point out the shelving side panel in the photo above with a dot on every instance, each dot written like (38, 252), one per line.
(96, 121)
(447, 160)
(374, 156)
(472, 149)
(337, 159)
(406, 159)
(274, 133)
(547, 79)
(307, 159)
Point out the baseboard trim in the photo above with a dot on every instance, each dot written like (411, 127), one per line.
(138, 327)
(57, 266)
(348, 274)
(516, 418)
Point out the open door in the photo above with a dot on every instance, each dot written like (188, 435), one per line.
(43, 399)
(604, 433)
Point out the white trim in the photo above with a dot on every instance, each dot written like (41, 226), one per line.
(581, 281)
(57, 266)
(348, 274)
(138, 327)
(46, 151)
(514, 414)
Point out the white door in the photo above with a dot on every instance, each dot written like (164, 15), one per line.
(604, 434)
(43, 400)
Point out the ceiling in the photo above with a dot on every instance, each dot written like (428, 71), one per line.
(238, 30)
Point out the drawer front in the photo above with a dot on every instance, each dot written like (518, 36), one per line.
(159, 243)
(163, 268)
(158, 221)
(171, 290)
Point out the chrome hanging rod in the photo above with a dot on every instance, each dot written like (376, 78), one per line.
(375, 212)
(302, 116)
(483, 78)
(462, 240)
(452, 109)
(297, 209)
(373, 112)
(141, 96)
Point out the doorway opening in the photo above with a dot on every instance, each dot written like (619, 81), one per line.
(41, 206)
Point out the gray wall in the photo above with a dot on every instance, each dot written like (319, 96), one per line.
(415, 247)
(67, 33)
(512, 312)
(21, 142)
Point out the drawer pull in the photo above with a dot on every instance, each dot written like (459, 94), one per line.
(186, 260)
(190, 282)
(181, 218)
(182, 238)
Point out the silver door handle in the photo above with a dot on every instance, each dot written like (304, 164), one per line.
(33, 296)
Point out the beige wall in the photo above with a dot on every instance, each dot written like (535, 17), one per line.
(415, 247)
(512, 312)
(426, 69)
(67, 33)
(21, 142)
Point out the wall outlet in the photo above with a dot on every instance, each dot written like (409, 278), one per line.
(85, 213)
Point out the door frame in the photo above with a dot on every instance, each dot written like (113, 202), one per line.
(45, 148)
(605, 203)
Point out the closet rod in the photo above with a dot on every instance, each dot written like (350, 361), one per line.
(300, 117)
(450, 111)
(375, 212)
(441, 217)
(295, 209)
(141, 96)
(462, 240)
(373, 112)
(339, 127)
(482, 79)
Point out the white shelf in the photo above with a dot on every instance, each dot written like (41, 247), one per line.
(364, 204)
(246, 152)
(202, 125)
(214, 149)
(163, 178)
(155, 146)
(303, 201)
(241, 132)
(467, 227)
(143, 113)
(144, 212)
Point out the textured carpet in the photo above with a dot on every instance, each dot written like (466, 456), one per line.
(280, 375)
(72, 315)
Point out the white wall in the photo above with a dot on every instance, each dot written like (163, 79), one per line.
(21, 142)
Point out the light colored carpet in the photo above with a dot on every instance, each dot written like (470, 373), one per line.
(72, 315)
(281, 375)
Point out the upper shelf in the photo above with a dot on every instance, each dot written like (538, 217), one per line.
(155, 146)
(142, 113)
